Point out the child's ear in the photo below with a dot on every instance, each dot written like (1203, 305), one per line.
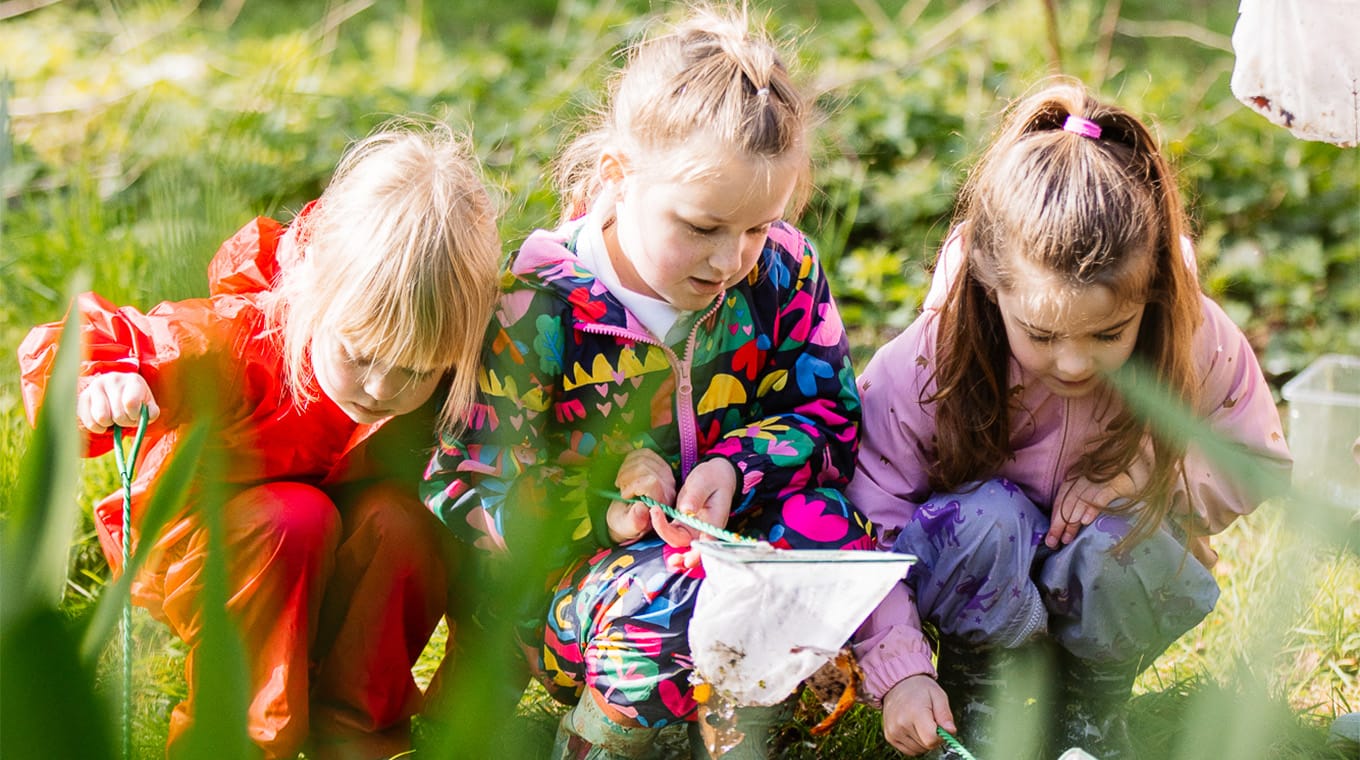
(613, 166)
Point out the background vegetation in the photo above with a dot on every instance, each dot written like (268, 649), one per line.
(141, 134)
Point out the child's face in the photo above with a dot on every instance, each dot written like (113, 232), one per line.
(686, 240)
(367, 390)
(1067, 337)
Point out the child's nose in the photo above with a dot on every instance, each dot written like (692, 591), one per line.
(726, 257)
(381, 386)
(1073, 362)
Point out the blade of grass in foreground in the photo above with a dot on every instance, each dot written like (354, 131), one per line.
(172, 486)
(218, 675)
(1170, 417)
(1240, 721)
(46, 689)
(43, 517)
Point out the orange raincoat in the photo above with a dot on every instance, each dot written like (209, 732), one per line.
(337, 571)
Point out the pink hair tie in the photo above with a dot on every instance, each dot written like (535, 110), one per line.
(1083, 127)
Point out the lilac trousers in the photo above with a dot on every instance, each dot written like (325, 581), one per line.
(985, 577)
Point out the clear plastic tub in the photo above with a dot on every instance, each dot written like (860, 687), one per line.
(1324, 428)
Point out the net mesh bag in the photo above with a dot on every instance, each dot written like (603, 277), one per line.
(765, 619)
(1298, 64)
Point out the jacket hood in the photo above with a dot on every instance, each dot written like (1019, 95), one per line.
(251, 260)
(547, 261)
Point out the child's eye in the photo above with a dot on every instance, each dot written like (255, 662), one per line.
(762, 230)
(1110, 337)
(696, 229)
(351, 358)
(1042, 339)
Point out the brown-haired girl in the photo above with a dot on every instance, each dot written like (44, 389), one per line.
(313, 338)
(1044, 512)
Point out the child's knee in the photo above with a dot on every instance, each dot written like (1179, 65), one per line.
(1129, 602)
(393, 522)
(295, 517)
(995, 517)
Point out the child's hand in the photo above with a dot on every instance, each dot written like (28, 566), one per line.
(1080, 502)
(911, 712)
(643, 473)
(707, 494)
(627, 520)
(115, 398)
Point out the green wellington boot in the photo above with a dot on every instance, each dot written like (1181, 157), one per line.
(999, 697)
(755, 725)
(586, 733)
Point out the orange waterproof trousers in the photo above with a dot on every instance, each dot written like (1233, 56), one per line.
(334, 603)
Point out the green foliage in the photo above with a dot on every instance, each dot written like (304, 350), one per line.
(218, 678)
(39, 523)
(46, 691)
(37, 644)
(204, 120)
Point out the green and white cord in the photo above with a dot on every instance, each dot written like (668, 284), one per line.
(684, 518)
(126, 464)
(954, 743)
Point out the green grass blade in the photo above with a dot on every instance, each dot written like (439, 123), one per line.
(6, 147)
(172, 487)
(1167, 415)
(47, 692)
(218, 675)
(43, 516)
(45, 689)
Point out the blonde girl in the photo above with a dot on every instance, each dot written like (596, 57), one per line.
(1044, 512)
(369, 305)
(674, 339)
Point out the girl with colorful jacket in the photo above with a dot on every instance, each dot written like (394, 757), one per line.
(313, 339)
(1046, 514)
(673, 339)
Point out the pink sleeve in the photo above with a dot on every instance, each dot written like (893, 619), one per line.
(1236, 401)
(891, 646)
(891, 476)
(890, 482)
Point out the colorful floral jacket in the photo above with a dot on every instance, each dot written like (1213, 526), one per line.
(572, 382)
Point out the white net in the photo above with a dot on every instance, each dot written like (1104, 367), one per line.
(1298, 64)
(766, 619)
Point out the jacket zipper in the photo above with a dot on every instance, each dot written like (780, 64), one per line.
(685, 416)
(1057, 462)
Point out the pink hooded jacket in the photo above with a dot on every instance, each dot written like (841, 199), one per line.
(1048, 436)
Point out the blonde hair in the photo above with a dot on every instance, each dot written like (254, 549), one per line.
(1089, 211)
(707, 75)
(400, 257)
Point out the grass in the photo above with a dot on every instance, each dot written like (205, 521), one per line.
(1283, 594)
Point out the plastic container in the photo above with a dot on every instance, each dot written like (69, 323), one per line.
(1324, 428)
